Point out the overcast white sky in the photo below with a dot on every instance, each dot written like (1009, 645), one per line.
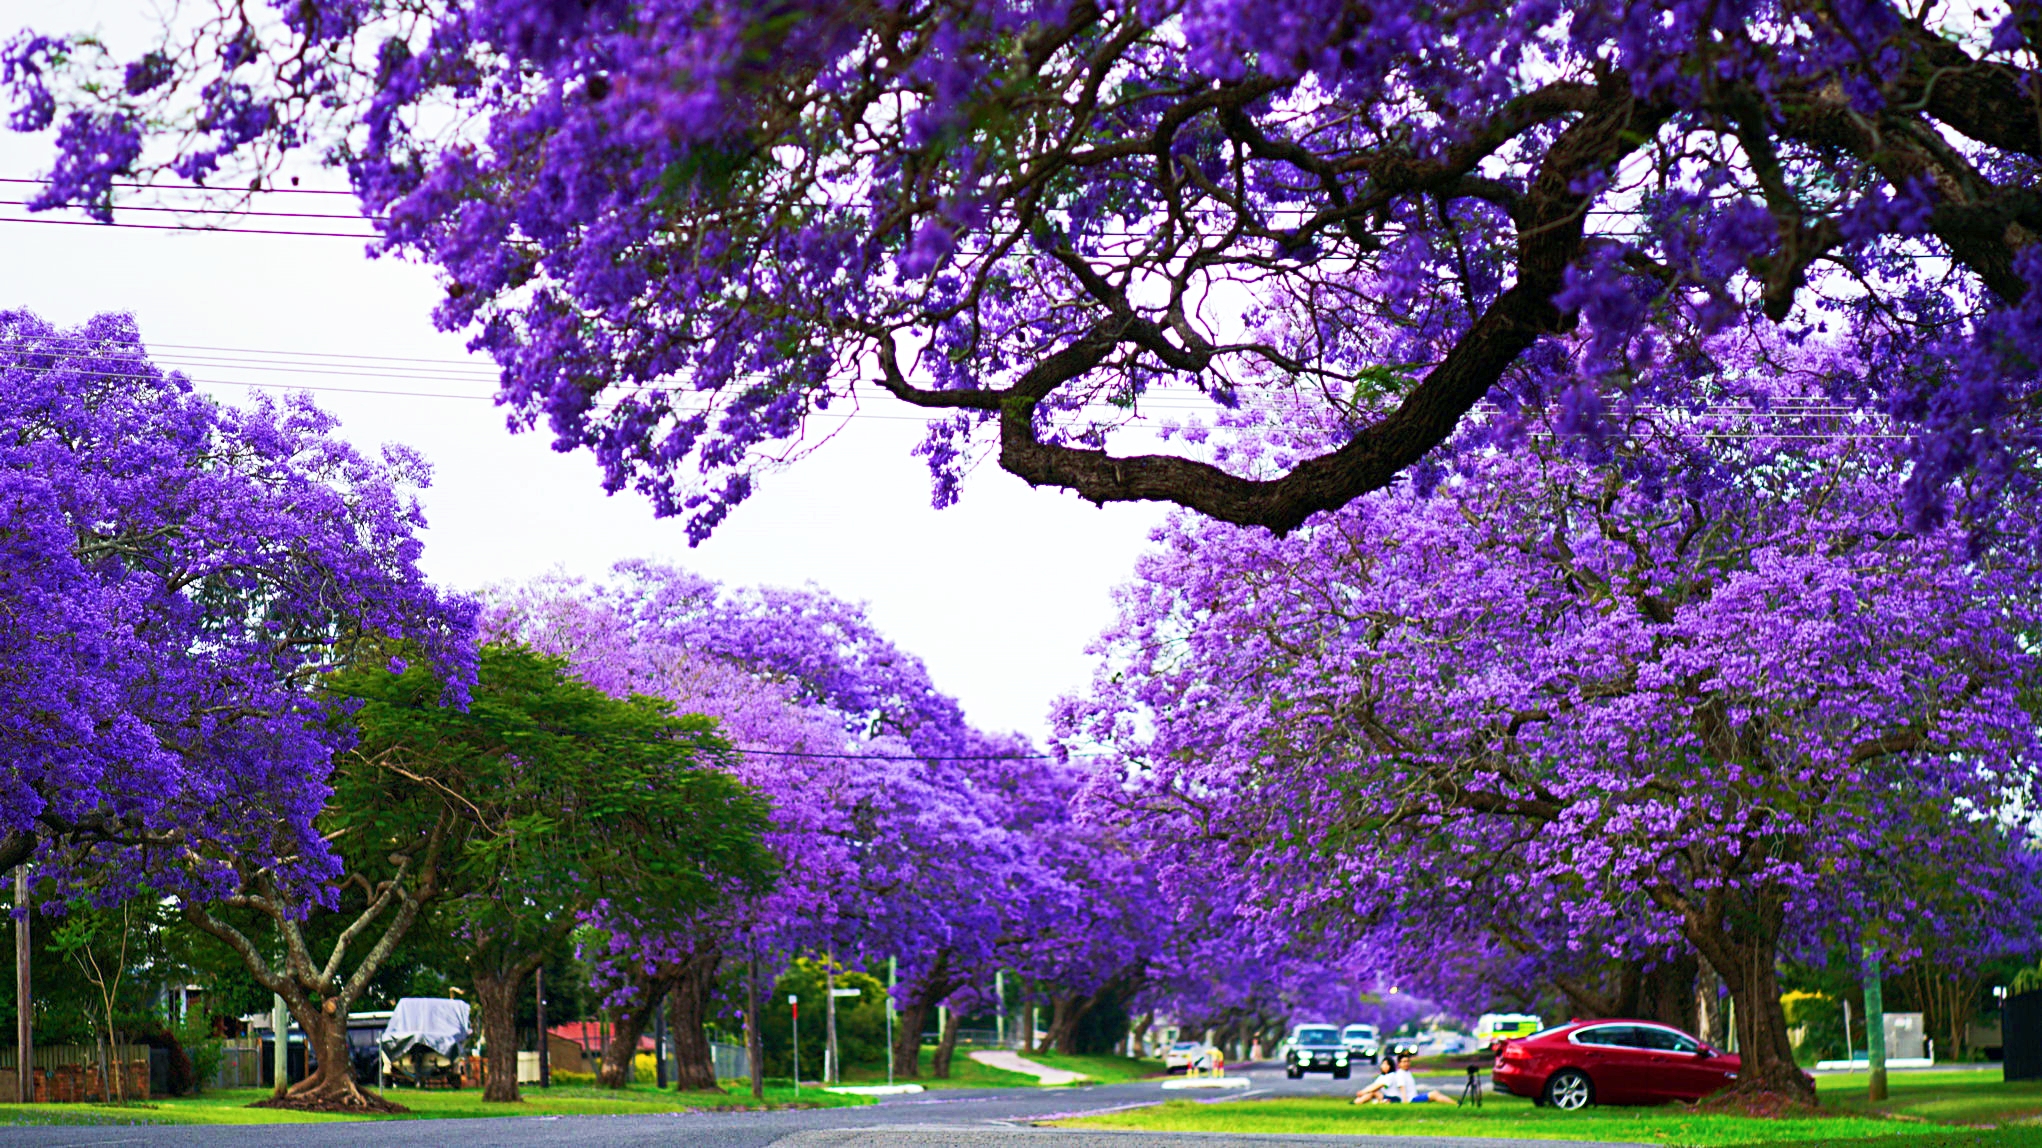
(999, 595)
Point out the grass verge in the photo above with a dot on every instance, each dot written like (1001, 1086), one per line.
(964, 1073)
(1921, 1109)
(968, 1073)
(2025, 1136)
(231, 1106)
(1101, 1069)
(1940, 1097)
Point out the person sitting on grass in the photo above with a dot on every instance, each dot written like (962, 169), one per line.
(1400, 1087)
(1373, 1092)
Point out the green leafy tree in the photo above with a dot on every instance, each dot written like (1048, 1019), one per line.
(99, 943)
(561, 796)
(861, 1020)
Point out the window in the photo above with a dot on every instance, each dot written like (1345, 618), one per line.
(1318, 1036)
(1608, 1035)
(1667, 1040)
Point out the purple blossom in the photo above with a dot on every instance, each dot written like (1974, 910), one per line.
(178, 573)
(728, 214)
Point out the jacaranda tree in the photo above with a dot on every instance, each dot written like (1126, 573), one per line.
(904, 833)
(684, 228)
(178, 574)
(1739, 710)
(825, 718)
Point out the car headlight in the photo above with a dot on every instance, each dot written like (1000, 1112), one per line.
(1340, 1058)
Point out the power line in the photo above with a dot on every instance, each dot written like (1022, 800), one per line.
(224, 211)
(963, 252)
(200, 187)
(911, 756)
(188, 227)
(301, 354)
(1188, 402)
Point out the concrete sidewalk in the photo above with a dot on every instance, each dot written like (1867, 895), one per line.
(1013, 1062)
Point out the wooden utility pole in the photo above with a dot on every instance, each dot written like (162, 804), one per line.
(24, 999)
(658, 1044)
(545, 1037)
(280, 1052)
(832, 1072)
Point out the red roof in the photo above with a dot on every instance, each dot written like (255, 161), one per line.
(590, 1037)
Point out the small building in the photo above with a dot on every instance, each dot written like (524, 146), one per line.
(577, 1046)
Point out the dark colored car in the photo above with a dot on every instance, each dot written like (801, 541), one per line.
(1316, 1048)
(1612, 1062)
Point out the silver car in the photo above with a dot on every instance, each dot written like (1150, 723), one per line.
(1362, 1040)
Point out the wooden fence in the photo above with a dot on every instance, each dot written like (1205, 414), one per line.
(69, 1073)
(240, 1064)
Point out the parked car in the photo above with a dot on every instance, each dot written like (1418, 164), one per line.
(1362, 1041)
(1493, 1028)
(1446, 1044)
(1611, 1062)
(425, 1042)
(1315, 1048)
(1186, 1055)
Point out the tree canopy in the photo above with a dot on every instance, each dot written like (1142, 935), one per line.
(178, 574)
(1539, 710)
(684, 230)
(563, 800)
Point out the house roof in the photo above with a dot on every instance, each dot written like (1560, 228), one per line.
(589, 1036)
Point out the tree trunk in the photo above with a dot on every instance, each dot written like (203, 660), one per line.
(1947, 998)
(105, 1081)
(1028, 1028)
(1742, 945)
(498, 998)
(946, 1046)
(620, 1055)
(1064, 1028)
(936, 983)
(1666, 992)
(1065, 1013)
(1708, 1012)
(1662, 990)
(907, 1040)
(332, 1086)
(1763, 1042)
(1141, 1032)
(332, 1083)
(1062, 1034)
(754, 1036)
(687, 1021)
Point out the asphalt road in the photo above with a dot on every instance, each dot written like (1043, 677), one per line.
(988, 1118)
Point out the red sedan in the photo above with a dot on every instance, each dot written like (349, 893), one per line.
(1586, 1062)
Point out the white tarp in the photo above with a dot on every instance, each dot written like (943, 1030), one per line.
(432, 1022)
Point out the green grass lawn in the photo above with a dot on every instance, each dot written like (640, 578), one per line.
(2013, 1136)
(1942, 1097)
(1922, 1107)
(231, 1106)
(968, 1073)
(964, 1073)
(1102, 1069)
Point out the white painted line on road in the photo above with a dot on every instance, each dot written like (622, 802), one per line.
(1081, 1112)
(1226, 1099)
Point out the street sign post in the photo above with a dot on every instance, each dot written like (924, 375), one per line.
(794, 1007)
